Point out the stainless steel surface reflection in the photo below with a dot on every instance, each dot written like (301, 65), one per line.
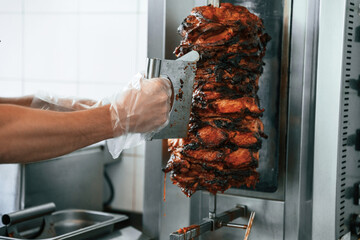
(78, 224)
(272, 98)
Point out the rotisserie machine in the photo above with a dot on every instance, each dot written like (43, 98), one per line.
(309, 166)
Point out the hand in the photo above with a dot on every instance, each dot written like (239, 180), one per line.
(144, 106)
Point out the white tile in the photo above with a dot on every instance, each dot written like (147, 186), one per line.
(10, 88)
(108, 5)
(142, 43)
(143, 6)
(51, 47)
(97, 91)
(11, 6)
(107, 48)
(10, 46)
(60, 89)
(50, 6)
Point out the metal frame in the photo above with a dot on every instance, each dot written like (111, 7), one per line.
(298, 198)
(327, 129)
(292, 218)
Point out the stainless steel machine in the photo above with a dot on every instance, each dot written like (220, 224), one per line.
(309, 166)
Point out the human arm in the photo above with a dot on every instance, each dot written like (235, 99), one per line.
(28, 135)
(24, 101)
(47, 101)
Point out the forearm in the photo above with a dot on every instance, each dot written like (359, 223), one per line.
(21, 101)
(51, 103)
(28, 135)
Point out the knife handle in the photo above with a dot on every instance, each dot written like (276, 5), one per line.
(153, 66)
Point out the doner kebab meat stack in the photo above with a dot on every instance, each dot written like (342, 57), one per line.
(225, 130)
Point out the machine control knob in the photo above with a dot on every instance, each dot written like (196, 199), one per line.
(355, 224)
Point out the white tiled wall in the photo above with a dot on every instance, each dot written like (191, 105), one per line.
(93, 47)
(82, 48)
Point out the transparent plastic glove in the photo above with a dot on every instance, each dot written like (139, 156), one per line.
(138, 112)
(48, 101)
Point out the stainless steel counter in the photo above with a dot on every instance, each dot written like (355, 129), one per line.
(128, 233)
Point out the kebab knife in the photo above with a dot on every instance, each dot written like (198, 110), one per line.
(181, 73)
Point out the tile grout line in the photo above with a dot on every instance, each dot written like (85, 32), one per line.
(23, 47)
(78, 50)
(72, 13)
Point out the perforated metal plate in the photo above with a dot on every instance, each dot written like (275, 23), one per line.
(349, 157)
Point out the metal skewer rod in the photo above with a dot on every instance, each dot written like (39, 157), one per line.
(212, 205)
(235, 225)
(249, 225)
(215, 3)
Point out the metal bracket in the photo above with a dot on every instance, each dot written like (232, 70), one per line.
(215, 222)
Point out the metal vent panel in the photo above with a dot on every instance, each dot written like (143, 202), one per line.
(349, 158)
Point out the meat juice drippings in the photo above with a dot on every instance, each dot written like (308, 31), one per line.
(164, 197)
(225, 130)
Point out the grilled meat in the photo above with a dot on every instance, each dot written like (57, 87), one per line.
(225, 130)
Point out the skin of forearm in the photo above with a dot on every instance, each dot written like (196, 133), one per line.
(29, 135)
(21, 101)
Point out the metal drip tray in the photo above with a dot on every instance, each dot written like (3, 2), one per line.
(66, 224)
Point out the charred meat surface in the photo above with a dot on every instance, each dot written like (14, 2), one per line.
(225, 130)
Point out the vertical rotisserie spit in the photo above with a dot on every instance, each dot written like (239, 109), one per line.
(225, 130)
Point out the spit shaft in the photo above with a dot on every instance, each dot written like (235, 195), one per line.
(215, 3)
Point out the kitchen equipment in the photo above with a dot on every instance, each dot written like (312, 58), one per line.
(310, 175)
(79, 175)
(43, 222)
(181, 73)
(215, 222)
(181, 211)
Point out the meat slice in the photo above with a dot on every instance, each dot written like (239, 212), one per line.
(225, 130)
(212, 136)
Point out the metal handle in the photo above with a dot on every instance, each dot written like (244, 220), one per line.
(29, 213)
(153, 67)
(235, 225)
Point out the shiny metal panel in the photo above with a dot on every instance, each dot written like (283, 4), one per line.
(71, 181)
(267, 225)
(301, 118)
(10, 191)
(152, 188)
(327, 122)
